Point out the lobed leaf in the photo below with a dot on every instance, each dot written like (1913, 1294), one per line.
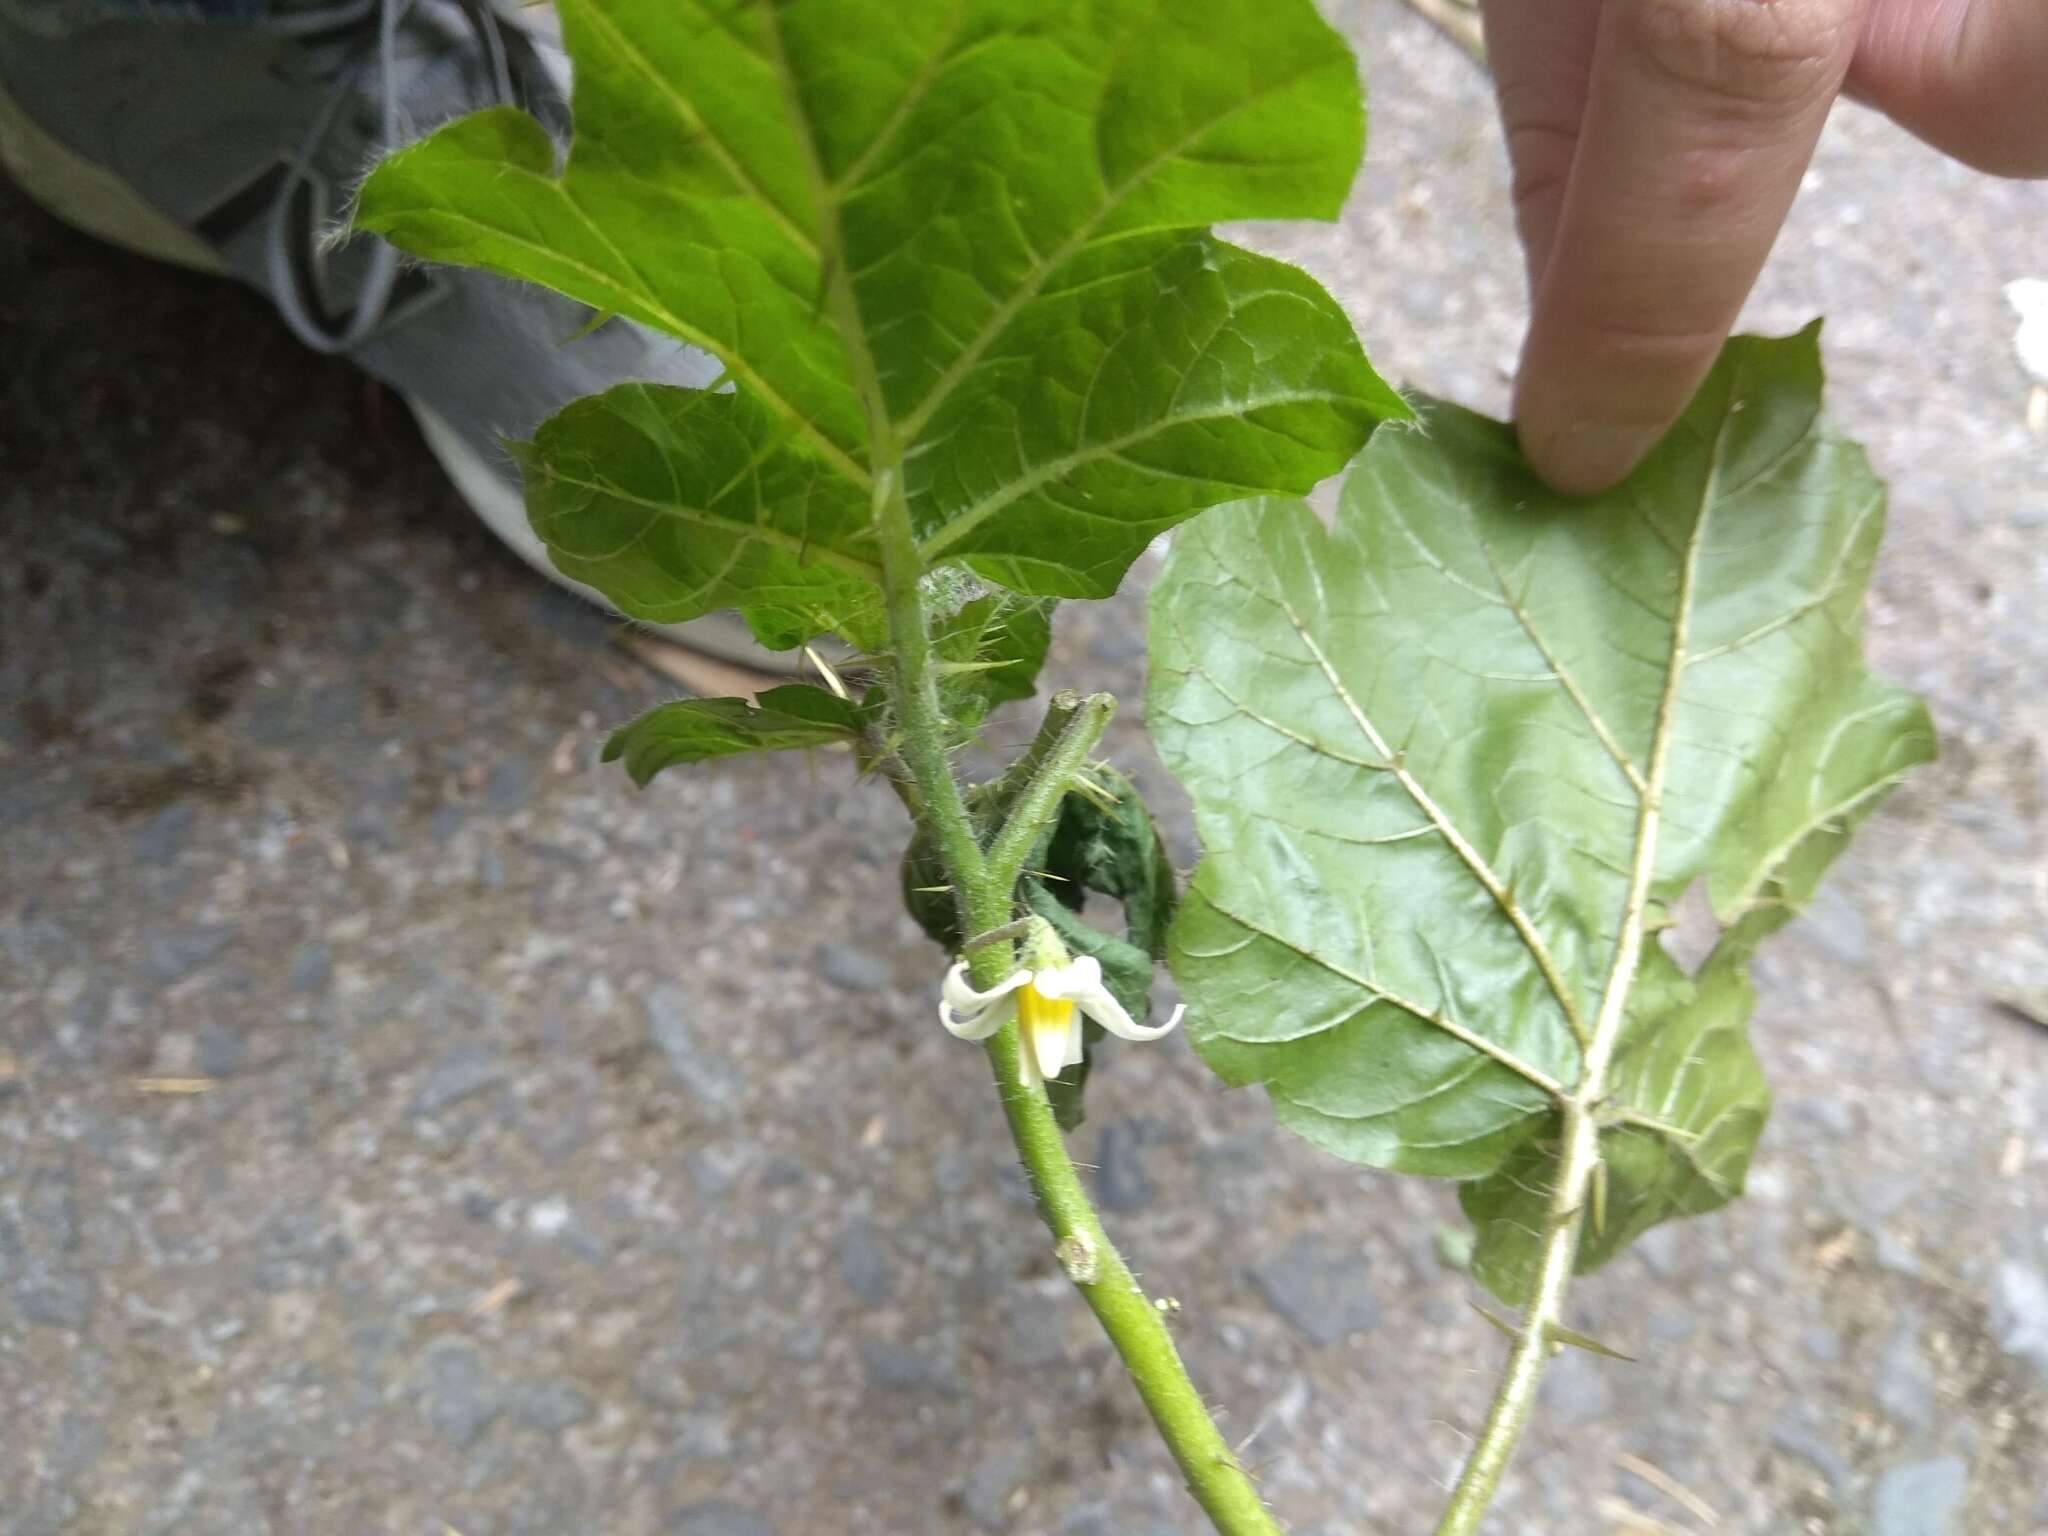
(1043, 334)
(1451, 758)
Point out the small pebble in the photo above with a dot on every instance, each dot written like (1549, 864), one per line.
(852, 970)
(1920, 1498)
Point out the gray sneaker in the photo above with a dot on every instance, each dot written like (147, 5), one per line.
(229, 142)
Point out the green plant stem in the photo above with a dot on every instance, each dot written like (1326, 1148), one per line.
(917, 692)
(1039, 801)
(1535, 1342)
(985, 885)
(917, 696)
(987, 891)
(1214, 1476)
(1059, 710)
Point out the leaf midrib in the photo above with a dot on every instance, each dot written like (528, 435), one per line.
(884, 444)
(681, 104)
(1607, 1023)
(913, 423)
(1470, 856)
(763, 533)
(643, 298)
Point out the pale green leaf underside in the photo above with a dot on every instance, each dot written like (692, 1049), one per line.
(691, 730)
(1697, 1094)
(1063, 360)
(1419, 744)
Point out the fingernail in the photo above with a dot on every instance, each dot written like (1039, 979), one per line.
(1590, 457)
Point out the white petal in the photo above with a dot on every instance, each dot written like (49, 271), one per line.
(1027, 1069)
(976, 1023)
(1109, 1013)
(1077, 1045)
(1052, 1046)
(1077, 978)
(958, 992)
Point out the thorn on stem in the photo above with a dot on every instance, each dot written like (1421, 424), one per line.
(1077, 1256)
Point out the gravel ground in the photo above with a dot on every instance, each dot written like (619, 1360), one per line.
(584, 1160)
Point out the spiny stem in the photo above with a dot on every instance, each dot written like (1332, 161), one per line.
(1534, 1343)
(1059, 710)
(916, 697)
(1135, 1327)
(917, 693)
(1578, 1161)
(985, 885)
(1039, 801)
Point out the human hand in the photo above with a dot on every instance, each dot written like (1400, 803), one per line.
(1657, 146)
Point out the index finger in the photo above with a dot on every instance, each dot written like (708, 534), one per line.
(1699, 122)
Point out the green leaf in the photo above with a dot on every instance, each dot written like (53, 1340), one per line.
(1111, 845)
(988, 645)
(1052, 356)
(691, 730)
(1694, 1098)
(605, 481)
(1453, 758)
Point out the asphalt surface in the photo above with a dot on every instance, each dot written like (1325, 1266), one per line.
(584, 1160)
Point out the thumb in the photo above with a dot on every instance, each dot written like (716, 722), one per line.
(1968, 76)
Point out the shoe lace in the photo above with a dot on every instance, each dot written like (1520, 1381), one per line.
(286, 233)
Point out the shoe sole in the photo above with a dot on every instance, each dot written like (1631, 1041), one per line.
(92, 199)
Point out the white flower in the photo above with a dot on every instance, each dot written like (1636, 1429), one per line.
(1047, 999)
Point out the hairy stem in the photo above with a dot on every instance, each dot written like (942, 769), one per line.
(917, 691)
(1060, 709)
(916, 696)
(985, 886)
(1038, 802)
(1135, 1327)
